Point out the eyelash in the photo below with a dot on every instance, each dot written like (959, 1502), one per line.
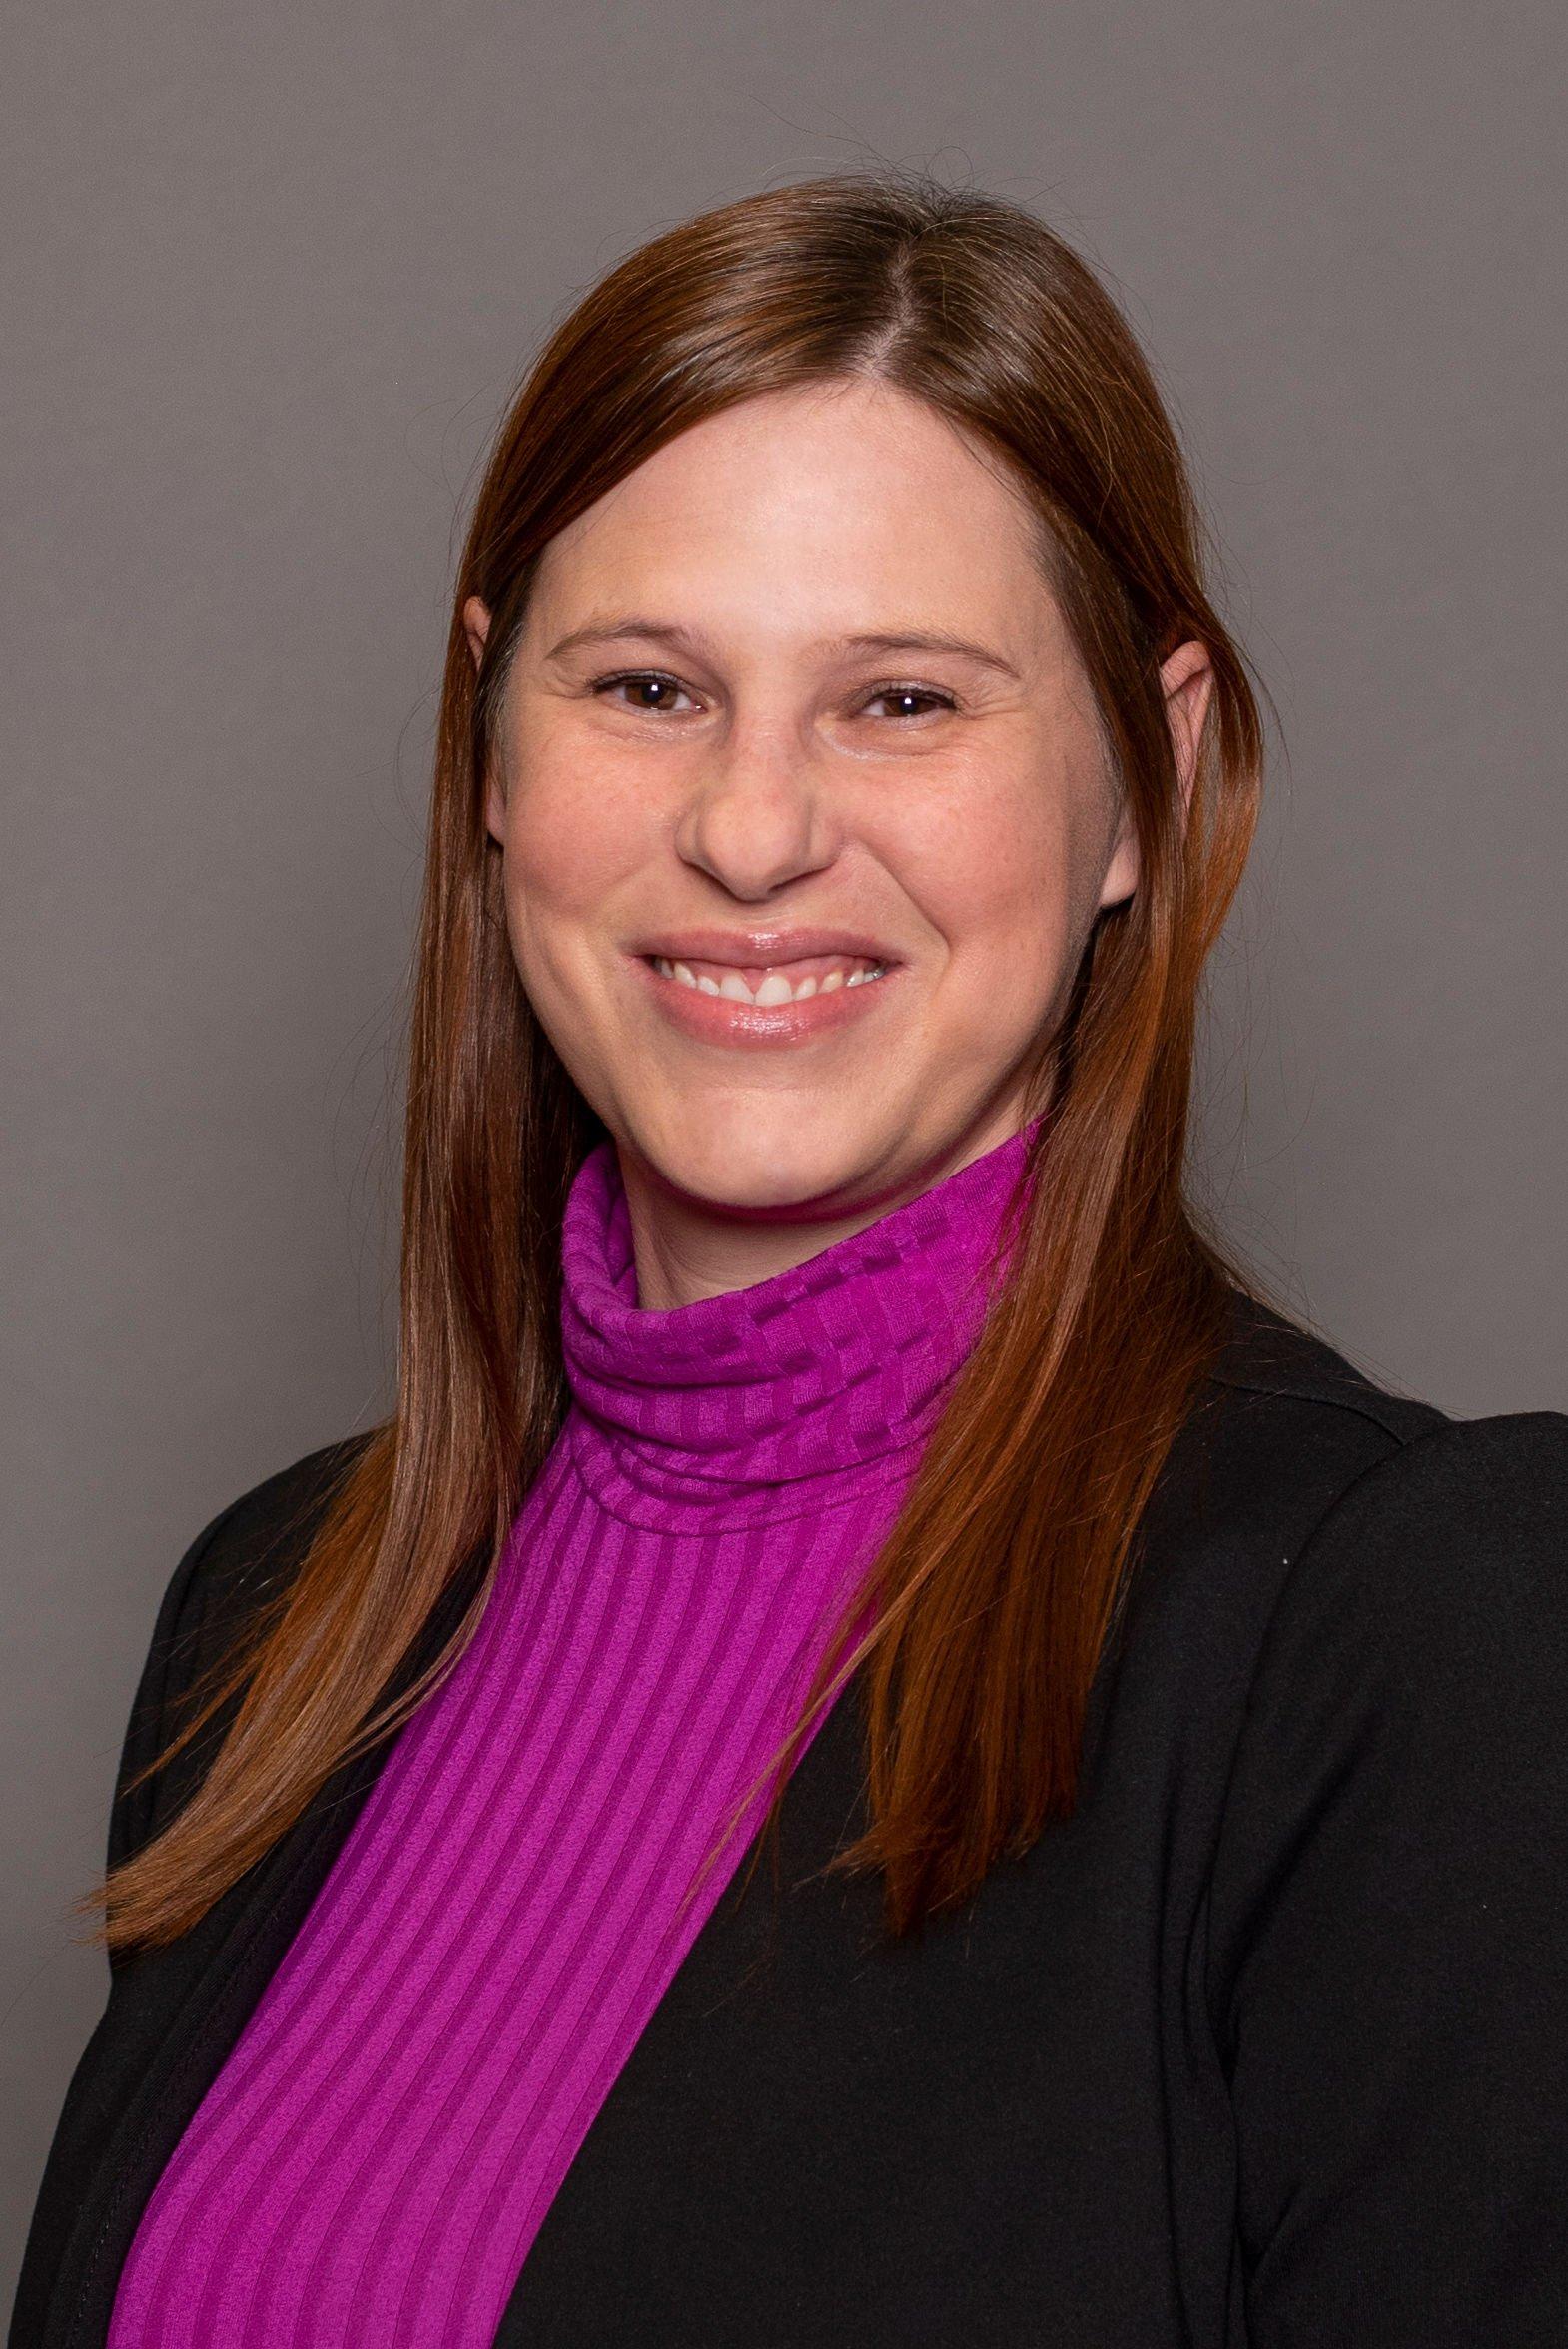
(890, 686)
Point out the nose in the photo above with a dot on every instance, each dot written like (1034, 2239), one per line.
(756, 815)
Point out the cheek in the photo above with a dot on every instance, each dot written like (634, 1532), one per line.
(997, 881)
(574, 830)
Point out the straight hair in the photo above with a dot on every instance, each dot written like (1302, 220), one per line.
(980, 1625)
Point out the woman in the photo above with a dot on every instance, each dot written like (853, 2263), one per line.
(823, 1430)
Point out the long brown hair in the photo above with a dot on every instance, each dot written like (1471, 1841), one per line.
(1001, 1580)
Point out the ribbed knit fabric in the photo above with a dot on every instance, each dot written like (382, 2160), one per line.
(374, 2160)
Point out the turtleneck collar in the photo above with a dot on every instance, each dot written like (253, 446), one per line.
(801, 1391)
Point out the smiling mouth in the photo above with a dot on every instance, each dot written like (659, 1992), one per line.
(775, 983)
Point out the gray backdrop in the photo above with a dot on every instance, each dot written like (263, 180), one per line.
(274, 271)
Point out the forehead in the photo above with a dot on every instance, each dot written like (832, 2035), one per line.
(829, 506)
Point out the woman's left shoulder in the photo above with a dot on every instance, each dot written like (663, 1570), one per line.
(1463, 1490)
(1437, 1584)
(1409, 1488)
(1310, 1515)
(1413, 1632)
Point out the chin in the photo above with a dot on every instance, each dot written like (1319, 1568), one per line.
(756, 1160)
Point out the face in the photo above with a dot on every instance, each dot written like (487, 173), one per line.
(792, 702)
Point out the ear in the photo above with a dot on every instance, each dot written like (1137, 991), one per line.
(1188, 682)
(476, 627)
(1122, 871)
(1187, 679)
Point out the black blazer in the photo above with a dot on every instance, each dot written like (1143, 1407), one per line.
(1268, 2044)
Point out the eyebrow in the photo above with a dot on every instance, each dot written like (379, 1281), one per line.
(614, 631)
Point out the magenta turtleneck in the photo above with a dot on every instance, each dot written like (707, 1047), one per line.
(374, 2160)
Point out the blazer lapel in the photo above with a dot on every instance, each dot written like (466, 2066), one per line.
(660, 2124)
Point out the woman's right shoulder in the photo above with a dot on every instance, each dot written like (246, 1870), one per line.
(254, 1542)
(236, 1560)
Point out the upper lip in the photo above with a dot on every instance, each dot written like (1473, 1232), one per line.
(762, 946)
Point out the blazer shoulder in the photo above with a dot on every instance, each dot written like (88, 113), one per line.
(1282, 1431)
(1471, 1516)
(1309, 1515)
(1268, 1353)
(1282, 1424)
(1305, 1400)
(253, 1544)
(259, 1536)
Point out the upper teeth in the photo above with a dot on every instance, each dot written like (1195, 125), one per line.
(775, 988)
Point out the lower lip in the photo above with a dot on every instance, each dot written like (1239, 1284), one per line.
(720, 1019)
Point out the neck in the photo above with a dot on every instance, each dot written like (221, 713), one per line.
(688, 1248)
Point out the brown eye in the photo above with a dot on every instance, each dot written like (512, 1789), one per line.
(904, 696)
(660, 689)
